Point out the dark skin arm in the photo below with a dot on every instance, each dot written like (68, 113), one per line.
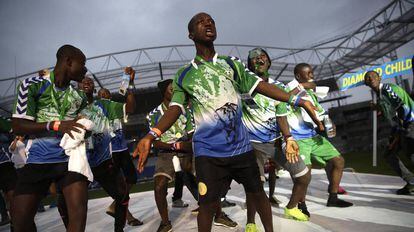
(130, 101)
(144, 145)
(274, 92)
(27, 127)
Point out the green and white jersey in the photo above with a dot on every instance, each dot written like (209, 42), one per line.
(213, 87)
(178, 131)
(39, 100)
(260, 118)
(396, 105)
(300, 128)
(102, 112)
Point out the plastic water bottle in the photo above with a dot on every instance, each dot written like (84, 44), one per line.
(330, 132)
(124, 84)
(176, 163)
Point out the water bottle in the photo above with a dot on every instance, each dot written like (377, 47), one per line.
(124, 84)
(176, 163)
(330, 132)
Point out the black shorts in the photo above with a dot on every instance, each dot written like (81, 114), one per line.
(8, 177)
(36, 178)
(122, 160)
(214, 175)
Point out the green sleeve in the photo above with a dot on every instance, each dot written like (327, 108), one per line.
(281, 109)
(320, 109)
(179, 97)
(402, 94)
(114, 110)
(247, 81)
(26, 105)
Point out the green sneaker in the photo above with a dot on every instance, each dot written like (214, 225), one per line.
(251, 227)
(296, 214)
(225, 221)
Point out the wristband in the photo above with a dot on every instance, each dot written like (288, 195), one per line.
(56, 125)
(156, 131)
(297, 100)
(155, 135)
(48, 126)
(131, 87)
(176, 146)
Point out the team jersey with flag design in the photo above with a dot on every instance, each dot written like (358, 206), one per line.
(396, 105)
(260, 119)
(39, 100)
(213, 87)
(102, 112)
(178, 131)
(299, 128)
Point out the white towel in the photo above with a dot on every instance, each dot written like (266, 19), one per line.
(75, 149)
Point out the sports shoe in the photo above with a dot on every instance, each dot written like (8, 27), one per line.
(408, 189)
(332, 202)
(195, 211)
(132, 221)
(274, 201)
(179, 204)
(251, 227)
(226, 204)
(225, 221)
(165, 227)
(296, 214)
(302, 207)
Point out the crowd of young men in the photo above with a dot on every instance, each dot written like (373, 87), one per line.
(218, 121)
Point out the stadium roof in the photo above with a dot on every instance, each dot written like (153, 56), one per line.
(373, 42)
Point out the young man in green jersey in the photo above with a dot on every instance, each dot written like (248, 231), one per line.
(46, 108)
(221, 144)
(121, 158)
(102, 112)
(398, 107)
(311, 144)
(173, 144)
(265, 120)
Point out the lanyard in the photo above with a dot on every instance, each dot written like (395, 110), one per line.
(65, 106)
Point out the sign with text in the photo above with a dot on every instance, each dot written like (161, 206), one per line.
(390, 69)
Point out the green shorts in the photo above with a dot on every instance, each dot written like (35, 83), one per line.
(318, 148)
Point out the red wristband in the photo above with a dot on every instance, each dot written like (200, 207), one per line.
(56, 125)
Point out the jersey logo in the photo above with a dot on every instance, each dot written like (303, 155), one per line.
(226, 115)
(202, 188)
